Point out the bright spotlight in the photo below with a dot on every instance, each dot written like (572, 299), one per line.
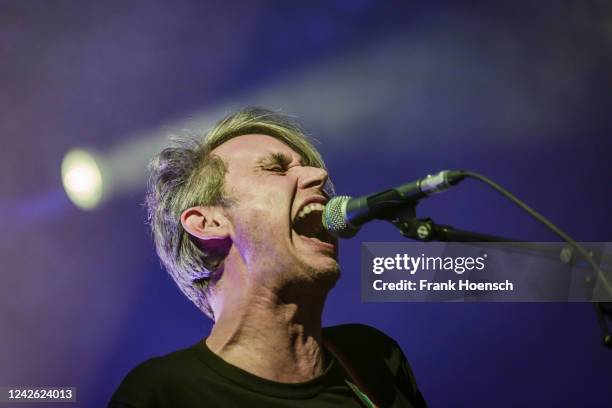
(82, 179)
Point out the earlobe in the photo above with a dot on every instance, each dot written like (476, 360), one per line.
(205, 223)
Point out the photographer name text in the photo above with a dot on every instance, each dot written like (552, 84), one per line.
(448, 286)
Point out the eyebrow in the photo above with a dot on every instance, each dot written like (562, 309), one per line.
(277, 158)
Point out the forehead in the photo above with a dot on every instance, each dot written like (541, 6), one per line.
(247, 148)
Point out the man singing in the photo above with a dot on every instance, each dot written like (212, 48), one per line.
(236, 219)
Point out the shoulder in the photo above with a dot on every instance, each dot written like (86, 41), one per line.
(365, 347)
(153, 377)
(160, 368)
(375, 358)
(355, 328)
(358, 335)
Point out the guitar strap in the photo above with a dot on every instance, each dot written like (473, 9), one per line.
(355, 381)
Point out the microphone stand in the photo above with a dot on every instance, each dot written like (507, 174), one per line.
(426, 230)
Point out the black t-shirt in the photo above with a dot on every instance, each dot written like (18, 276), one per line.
(197, 377)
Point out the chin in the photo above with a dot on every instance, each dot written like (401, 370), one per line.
(326, 272)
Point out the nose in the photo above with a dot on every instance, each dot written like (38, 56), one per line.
(313, 177)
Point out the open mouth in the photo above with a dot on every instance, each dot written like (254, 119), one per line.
(309, 223)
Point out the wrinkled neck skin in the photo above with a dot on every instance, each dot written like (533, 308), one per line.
(273, 330)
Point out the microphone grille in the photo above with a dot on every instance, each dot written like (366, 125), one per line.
(334, 218)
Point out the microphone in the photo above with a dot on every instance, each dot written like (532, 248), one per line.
(343, 216)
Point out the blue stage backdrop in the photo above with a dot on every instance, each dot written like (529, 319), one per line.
(518, 91)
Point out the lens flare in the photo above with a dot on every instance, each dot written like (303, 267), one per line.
(82, 179)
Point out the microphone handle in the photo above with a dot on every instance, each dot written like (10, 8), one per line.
(384, 204)
(376, 206)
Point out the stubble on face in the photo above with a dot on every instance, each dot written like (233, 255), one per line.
(261, 216)
(271, 264)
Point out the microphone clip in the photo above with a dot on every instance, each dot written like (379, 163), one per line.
(426, 230)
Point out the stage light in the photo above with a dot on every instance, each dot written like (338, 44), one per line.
(82, 178)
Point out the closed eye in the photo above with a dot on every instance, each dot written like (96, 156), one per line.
(276, 162)
(276, 168)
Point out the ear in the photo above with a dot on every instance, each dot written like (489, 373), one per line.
(208, 224)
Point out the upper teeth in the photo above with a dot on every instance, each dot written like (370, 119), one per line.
(309, 208)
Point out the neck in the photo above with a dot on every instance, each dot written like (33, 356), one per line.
(274, 334)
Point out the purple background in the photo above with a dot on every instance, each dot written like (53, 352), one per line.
(517, 91)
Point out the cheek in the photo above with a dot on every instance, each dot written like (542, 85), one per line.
(262, 244)
(265, 206)
(262, 210)
(259, 227)
(259, 193)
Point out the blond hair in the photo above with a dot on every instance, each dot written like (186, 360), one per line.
(188, 175)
